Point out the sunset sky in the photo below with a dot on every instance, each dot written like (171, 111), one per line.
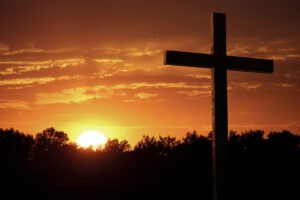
(81, 65)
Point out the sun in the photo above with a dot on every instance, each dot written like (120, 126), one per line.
(93, 139)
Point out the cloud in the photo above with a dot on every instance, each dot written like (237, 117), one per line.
(13, 104)
(277, 50)
(283, 85)
(3, 47)
(73, 95)
(82, 94)
(40, 81)
(239, 48)
(283, 57)
(111, 72)
(17, 62)
(27, 66)
(109, 61)
(62, 63)
(287, 75)
(280, 126)
(159, 85)
(134, 52)
(19, 87)
(246, 85)
(194, 93)
(294, 74)
(143, 95)
(255, 85)
(8, 71)
(287, 85)
(26, 81)
(198, 76)
(7, 52)
(247, 113)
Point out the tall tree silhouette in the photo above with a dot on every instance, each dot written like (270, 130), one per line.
(14, 146)
(49, 142)
(116, 146)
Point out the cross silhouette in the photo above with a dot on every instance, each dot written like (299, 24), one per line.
(219, 63)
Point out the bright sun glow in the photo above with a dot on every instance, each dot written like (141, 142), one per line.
(92, 139)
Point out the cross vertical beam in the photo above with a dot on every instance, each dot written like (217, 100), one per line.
(219, 63)
(219, 108)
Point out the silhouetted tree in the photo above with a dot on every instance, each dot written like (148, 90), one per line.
(252, 140)
(193, 142)
(165, 145)
(49, 141)
(284, 141)
(14, 146)
(157, 168)
(161, 147)
(114, 146)
(147, 145)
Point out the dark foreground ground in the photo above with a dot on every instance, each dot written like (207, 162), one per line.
(261, 167)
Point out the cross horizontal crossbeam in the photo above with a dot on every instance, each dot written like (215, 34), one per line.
(219, 63)
(208, 61)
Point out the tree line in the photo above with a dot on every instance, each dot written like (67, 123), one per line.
(48, 166)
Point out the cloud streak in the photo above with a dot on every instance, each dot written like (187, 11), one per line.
(193, 93)
(82, 94)
(40, 81)
(13, 104)
(133, 52)
(144, 95)
(5, 51)
(19, 67)
(73, 95)
(278, 50)
(109, 61)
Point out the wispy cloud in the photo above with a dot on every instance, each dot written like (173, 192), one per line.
(109, 61)
(27, 66)
(246, 85)
(13, 104)
(81, 94)
(277, 50)
(18, 62)
(256, 85)
(73, 95)
(194, 93)
(283, 85)
(247, 113)
(287, 85)
(8, 71)
(42, 80)
(8, 52)
(294, 74)
(134, 52)
(198, 76)
(160, 85)
(3, 47)
(144, 95)
(114, 71)
(280, 126)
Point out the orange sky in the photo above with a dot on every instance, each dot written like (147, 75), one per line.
(78, 65)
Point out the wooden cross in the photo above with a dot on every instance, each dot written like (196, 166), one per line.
(219, 63)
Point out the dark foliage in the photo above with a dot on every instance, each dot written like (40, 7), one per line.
(48, 167)
(49, 142)
(116, 146)
(14, 146)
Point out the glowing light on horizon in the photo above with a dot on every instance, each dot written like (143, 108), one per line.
(93, 139)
